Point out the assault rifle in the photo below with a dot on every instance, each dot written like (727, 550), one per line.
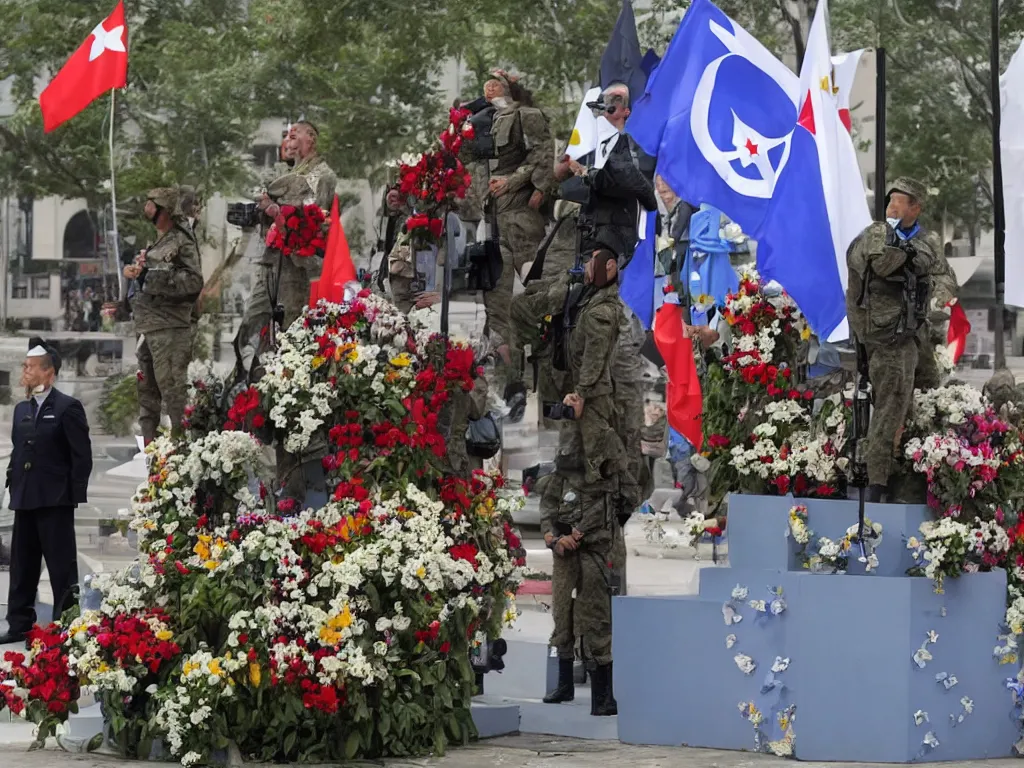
(861, 421)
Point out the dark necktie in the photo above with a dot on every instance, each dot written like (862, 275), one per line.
(35, 408)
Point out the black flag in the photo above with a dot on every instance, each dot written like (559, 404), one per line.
(622, 61)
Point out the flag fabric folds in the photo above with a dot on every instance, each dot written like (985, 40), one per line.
(338, 269)
(99, 65)
(959, 330)
(683, 400)
(819, 206)
(1011, 147)
(623, 61)
(637, 284)
(718, 112)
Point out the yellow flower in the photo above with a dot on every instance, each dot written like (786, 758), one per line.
(255, 675)
(421, 572)
(103, 667)
(188, 668)
(1010, 658)
(164, 635)
(318, 361)
(402, 360)
(805, 334)
(214, 667)
(331, 632)
(211, 565)
(202, 547)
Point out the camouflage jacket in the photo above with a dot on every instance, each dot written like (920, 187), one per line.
(878, 270)
(593, 342)
(171, 283)
(311, 181)
(522, 141)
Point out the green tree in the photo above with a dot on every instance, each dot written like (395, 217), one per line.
(187, 115)
(555, 45)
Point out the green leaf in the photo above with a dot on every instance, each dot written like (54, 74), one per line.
(94, 743)
(289, 742)
(352, 744)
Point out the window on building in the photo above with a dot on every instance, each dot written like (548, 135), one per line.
(41, 287)
(19, 288)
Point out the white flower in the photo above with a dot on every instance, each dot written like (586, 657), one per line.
(920, 717)
(739, 592)
(745, 664)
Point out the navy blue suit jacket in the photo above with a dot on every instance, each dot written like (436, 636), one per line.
(52, 456)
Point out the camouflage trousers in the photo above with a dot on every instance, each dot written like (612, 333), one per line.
(520, 232)
(581, 601)
(891, 371)
(540, 299)
(591, 444)
(163, 358)
(636, 484)
(292, 294)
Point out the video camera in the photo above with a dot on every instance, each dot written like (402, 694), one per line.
(244, 215)
(482, 120)
(601, 106)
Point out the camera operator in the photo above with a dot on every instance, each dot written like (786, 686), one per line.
(519, 185)
(618, 185)
(896, 270)
(284, 281)
(580, 501)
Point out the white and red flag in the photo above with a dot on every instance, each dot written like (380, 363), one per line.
(99, 65)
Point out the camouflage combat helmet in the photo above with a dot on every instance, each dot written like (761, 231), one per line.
(165, 197)
(909, 186)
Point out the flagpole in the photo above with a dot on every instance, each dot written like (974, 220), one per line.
(879, 133)
(113, 201)
(998, 206)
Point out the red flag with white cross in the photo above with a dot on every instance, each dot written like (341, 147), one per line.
(99, 65)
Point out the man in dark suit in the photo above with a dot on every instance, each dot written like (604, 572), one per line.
(48, 477)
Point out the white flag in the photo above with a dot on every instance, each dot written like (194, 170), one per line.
(1011, 148)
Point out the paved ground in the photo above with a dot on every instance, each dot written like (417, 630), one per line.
(511, 752)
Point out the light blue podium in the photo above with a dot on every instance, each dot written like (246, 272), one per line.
(849, 639)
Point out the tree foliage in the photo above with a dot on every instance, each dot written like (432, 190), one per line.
(368, 73)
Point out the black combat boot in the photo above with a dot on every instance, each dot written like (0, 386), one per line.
(515, 399)
(565, 691)
(602, 699)
(874, 494)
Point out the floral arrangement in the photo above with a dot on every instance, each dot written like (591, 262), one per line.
(430, 181)
(949, 547)
(37, 684)
(299, 231)
(357, 619)
(828, 555)
(973, 468)
(762, 431)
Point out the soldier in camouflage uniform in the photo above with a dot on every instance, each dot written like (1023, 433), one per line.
(544, 297)
(310, 181)
(170, 279)
(580, 502)
(520, 182)
(891, 325)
